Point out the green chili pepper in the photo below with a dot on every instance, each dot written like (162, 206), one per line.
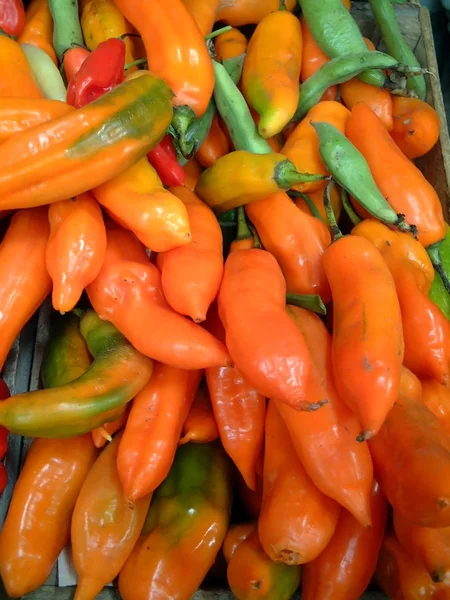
(117, 374)
(191, 133)
(337, 33)
(343, 69)
(351, 171)
(46, 73)
(66, 25)
(395, 43)
(236, 114)
(438, 292)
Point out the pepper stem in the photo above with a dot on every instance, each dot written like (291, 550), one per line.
(335, 231)
(435, 257)
(282, 5)
(214, 34)
(312, 302)
(351, 213)
(243, 231)
(103, 432)
(256, 240)
(286, 175)
(309, 203)
(135, 63)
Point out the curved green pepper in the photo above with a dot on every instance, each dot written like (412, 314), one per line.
(117, 374)
(438, 292)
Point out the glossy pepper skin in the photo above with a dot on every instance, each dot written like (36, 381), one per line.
(296, 240)
(85, 148)
(73, 61)
(20, 114)
(102, 435)
(12, 17)
(184, 529)
(302, 146)
(25, 281)
(204, 13)
(17, 78)
(153, 429)
(214, 146)
(273, 359)
(200, 426)
(191, 274)
(235, 535)
(192, 170)
(253, 576)
(128, 292)
(416, 126)
(102, 71)
(312, 59)
(296, 521)
(344, 569)
(37, 526)
(245, 12)
(368, 345)
(38, 28)
(239, 411)
(137, 200)
(117, 374)
(326, 441)
(426, 331)
(411, 460)
(105, 525)
(408, 192)
(164, 159)
(436, 398)
(270, 79)
(177, 55)
(76, 248)
(410, 385)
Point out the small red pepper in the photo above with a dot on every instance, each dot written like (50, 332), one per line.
(163, 159)
(102, 70)
(4, 393)
(12, 17)
(73, 61)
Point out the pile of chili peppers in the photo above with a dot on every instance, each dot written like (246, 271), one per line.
(247, 380)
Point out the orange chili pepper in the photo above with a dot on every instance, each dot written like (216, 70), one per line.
(412, 463)
(410, 385)
(316, 199)
(105, 525)
(200, 425)
(253, 576)
(400, 576)
(276, 142)
(296, 239)
(73, 60)
(104, 434)
(436, 398)
(229, 44)
(236, 534)
(239, 411)
(214, 146)
(344, 569)
(37, 526)
(38, 29)
(416, 126)
(17, 78)
(191, 274)
(405, 187)
(75, 249)
(137, 200)
(297, 521)
(425, 328)
(313, 58)
(325, 441)
(204, 13)
(274, 359)
(176, 54)
(153, 429)
(272, 70)
(19, 114)
(246, 12)
(302, 146)
(192, 170)
(25, 281)
(128, 292)
(368, 345)
(428, 546)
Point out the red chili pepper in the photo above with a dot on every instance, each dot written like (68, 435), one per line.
(100, 73)
(163, 159)
(4, 393)
(12, 17)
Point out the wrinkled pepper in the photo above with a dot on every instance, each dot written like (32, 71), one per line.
(416, 126)
(17, 78)
(128, 292)
(85, 148)
(274, 359)
(76, 248)
(117, 374)
(38, 28)
(200, 425)
(153, 429)
(297, 521)
(19, 114)
(270, 78)
(163, 159)
(105, 525)
(25, 281)
(185, 527)
(191, 274)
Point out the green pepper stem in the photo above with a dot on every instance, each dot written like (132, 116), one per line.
(309, 203)
(286, 175)
(335, 231)
(243, 231)
(256, 240)
(435, 257)
(351, 213)
(312, 302)
(214, 34)
(282, 5)
(135, 63)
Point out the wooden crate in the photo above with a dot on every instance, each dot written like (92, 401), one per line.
(22, 369)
